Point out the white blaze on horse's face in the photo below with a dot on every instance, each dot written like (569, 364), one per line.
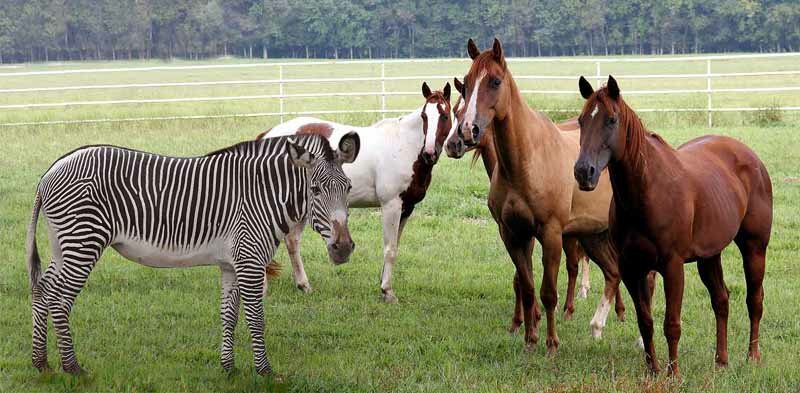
(595, 110)
(454, 127)
(472, 105)
(430, 133)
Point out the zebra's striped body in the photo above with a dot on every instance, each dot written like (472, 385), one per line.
(230, 208)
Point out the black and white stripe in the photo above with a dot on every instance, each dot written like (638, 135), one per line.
(229, 208)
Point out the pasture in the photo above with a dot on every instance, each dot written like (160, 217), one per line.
(141, 329)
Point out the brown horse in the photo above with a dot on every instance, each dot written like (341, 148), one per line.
(533, 193)
(676, 206)
(575, 254)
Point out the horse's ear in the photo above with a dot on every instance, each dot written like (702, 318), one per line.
(497, 52)
(585, 87)
(446, 91)
(613, 88)
(459, 86)
(299, 156)
(426, 91)
(349, 146)
(472, 49)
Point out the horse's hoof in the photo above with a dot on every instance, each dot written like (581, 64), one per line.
(621, 316)
(305, 287)
(568, 314)
(529, 347)
(640, 343)
(754, 357)
(720, 365)
(552, 346)
(389, 297)
(513, 329)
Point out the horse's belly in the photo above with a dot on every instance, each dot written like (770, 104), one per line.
(145, 253)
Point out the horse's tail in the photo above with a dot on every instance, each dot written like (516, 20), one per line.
(32, 251)
(273, 270)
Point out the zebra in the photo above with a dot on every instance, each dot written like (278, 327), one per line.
(229, 208)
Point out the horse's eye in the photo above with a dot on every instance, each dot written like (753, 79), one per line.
(316, 190)
(444, 117)
(496, 82)
(611, 120)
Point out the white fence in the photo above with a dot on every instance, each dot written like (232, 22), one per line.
(282, 82)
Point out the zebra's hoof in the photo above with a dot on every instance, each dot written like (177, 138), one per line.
(74, 370)
(43, 366)
(389, 297)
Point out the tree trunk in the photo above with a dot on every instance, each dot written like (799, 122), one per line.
(351, 53)
(306, 51)
(264, 53)
(370, 52)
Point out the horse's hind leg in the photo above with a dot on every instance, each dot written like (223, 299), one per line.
(583, 291)
(754, 258)
(516, 317)
(710, 270)
(599, 250)
(570, 246)
(39, 306)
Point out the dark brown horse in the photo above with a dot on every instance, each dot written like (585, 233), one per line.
(676, 206)
(575, 254)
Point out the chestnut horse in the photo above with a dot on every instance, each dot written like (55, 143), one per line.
(575, 254)
(533, 193)
(676, 206)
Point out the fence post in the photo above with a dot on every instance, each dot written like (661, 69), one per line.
(383, 89)
(280, 89)
(597, 75)
(708, 89)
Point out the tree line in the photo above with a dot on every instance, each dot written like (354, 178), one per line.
(42, 30)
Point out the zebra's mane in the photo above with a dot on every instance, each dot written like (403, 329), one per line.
(315, 144)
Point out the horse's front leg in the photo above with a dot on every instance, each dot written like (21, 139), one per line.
(520, 249)
(250, 276)
(673, 292)
(229, 314)
(391, 212)
(293, 247)
(551, 258)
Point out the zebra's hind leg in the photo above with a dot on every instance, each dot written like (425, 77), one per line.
(78, 263)
(250, 275)
(229, 314)
(40, 300)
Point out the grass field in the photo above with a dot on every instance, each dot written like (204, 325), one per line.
(140, 329)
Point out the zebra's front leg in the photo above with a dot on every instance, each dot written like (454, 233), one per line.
(250, 276)
(293, 247)
(40, 300)
(229, 314)
(391, 213)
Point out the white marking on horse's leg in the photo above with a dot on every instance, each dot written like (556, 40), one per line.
(391, 212)
(585, 283)
(640, 343)
(293, 246)
(472, 105)
(599, 319)
(595, 110)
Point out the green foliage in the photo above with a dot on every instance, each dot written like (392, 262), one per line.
(34, 30)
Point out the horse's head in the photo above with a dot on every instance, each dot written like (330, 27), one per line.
(436, 110)
(454, 146)
(328, 189)
(600, 136)
(486, 92)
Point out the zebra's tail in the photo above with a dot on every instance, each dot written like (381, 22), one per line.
(273, 270)
(34, 262)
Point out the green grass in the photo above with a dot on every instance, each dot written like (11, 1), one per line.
(141, 329)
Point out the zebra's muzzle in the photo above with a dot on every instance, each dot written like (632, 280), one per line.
(342, 246)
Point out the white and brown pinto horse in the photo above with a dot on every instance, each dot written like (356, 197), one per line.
(392, 172)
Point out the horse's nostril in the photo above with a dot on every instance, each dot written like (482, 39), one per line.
(352, 245)
(591, 170)
(475, 131)
(460, 133)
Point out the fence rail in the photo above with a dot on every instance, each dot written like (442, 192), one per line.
(282, 82)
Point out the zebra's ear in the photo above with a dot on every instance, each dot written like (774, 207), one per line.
(349, 146)
(300, 156)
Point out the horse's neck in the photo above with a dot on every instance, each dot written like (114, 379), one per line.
(409, 127)
(631, 173)
(523, 135)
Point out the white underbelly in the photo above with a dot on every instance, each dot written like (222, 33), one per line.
(145, 253)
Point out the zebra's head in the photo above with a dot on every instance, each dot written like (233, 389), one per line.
(328, 189)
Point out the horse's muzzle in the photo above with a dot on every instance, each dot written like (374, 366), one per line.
(586, 174)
